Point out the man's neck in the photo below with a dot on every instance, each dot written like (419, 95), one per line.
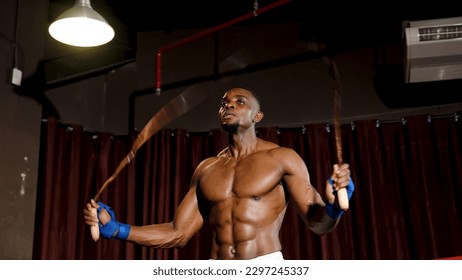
(242, 144)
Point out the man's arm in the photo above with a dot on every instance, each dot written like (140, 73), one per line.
(185, 224)
(187, 221)
(320, 216)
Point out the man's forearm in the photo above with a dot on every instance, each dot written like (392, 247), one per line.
(157, 236)
(320, 222)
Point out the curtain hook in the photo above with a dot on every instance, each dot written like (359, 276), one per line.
(403, 121)
(327, 128)
(353, 126)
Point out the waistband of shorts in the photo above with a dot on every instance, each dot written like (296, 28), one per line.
(271, 256)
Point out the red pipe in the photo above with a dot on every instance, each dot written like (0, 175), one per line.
(207, 32)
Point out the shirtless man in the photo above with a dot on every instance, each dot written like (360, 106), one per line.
(243, 192)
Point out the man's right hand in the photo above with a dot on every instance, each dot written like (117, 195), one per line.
(91, 219)
(109, 227)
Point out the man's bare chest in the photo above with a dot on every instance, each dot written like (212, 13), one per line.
(249, 177)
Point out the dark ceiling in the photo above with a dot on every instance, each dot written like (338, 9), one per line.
(343, 23)
(376, 20)
(339, 26)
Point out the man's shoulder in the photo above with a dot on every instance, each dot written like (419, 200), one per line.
(280, 150)
(275, 149)
(204, 164)
(209, 160)
(268, 145)
(220, 154)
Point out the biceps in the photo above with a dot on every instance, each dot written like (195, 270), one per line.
(188, 218)
(297, 180)
(307, 202)
(304, 194)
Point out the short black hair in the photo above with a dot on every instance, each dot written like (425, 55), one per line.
(254, 94)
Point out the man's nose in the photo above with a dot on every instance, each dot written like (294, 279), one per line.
(229, 106)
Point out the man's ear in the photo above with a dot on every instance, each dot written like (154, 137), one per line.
(258, 117)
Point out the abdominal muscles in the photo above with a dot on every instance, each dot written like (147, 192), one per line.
(246, 227)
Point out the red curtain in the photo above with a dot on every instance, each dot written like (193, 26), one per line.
(406, 204)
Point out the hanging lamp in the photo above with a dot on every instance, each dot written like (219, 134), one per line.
(81, 26)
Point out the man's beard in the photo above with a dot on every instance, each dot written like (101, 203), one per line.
(230, 128)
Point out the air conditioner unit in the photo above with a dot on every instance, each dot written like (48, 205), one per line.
(433, 50)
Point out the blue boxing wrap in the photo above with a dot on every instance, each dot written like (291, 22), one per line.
(113, 228)
(334, 211)
(350, 188)
(124, 231)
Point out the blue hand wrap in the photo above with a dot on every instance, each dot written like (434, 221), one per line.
(333, 210)
(350, 188)
(124, 231)
(108, 230)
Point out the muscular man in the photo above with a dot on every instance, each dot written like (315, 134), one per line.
(243, 192)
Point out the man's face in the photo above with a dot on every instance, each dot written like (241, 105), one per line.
(238, 108)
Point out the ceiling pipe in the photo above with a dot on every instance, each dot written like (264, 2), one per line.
(215, 75)
(206, 32)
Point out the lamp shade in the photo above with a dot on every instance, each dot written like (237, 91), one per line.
(81, 26)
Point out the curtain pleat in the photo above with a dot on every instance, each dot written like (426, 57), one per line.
(406, 205)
